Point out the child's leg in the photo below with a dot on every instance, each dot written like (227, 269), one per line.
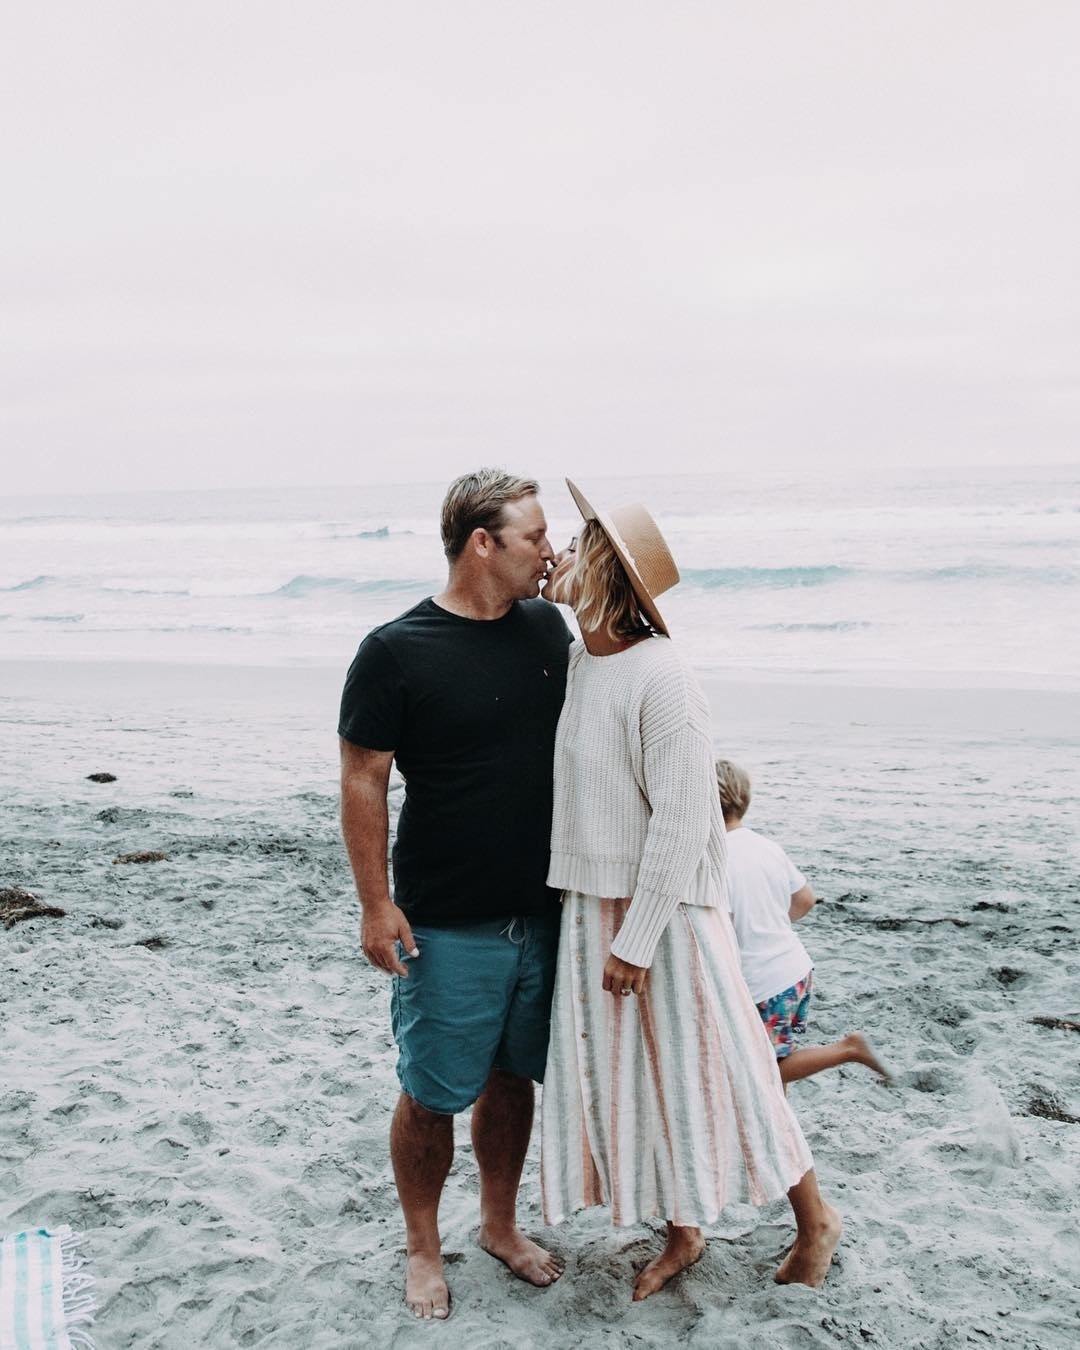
(853, 1049)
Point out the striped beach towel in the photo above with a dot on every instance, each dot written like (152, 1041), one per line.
(44, 1291)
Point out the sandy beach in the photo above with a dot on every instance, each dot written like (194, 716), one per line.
(198, 1070)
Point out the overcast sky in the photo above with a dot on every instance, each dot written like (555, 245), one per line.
(317, 243)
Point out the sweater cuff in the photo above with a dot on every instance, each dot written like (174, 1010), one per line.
(649, 914)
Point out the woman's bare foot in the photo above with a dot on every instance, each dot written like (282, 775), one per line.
(863, 1052)
(684, 1247)
(525, 1258)
(426, 1293)
(808, 1261)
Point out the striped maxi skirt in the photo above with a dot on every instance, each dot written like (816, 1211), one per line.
(669, 1104)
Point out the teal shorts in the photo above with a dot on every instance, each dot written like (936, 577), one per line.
(477, 998)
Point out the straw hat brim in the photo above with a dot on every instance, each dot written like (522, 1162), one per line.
(641, 590)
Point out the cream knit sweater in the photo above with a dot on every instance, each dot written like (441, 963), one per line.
(637, 811)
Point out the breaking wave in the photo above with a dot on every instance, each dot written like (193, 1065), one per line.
(837, 626)
(739, 578)
(302, 586)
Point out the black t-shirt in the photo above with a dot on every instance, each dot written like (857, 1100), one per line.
(469, 707)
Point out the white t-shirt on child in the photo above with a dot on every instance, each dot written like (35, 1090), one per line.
(761, 881)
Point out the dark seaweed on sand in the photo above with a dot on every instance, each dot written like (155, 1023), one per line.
(17, 905)
(1048, 1107)
(1055, 1023)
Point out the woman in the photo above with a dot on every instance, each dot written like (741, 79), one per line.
(661, 1095)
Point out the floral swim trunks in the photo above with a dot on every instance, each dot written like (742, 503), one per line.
(785, 1014)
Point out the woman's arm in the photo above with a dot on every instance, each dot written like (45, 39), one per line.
(680, 785)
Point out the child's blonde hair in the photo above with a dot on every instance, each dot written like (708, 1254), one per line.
(734, 785)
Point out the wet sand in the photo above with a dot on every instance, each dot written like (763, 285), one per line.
(198, 1071)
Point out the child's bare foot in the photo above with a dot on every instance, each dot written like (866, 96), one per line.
(808, 1261)
(684, 1247)
(863, 1052)
(426, 1293)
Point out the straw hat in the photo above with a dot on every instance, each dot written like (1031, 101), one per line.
(641, 549)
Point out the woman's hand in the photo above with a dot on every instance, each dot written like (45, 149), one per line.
(620, 977)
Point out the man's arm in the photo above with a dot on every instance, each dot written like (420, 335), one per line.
(365, 824)
(802, 902)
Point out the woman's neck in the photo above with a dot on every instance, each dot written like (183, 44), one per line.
(598, 642)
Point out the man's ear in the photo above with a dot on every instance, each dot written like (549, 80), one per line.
(482, 543)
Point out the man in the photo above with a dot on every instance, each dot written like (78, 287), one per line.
(464, 692)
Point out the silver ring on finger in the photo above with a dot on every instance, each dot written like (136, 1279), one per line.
(627, 990)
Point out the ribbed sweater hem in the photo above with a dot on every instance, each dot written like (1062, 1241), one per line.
(592, 876)
(611, 880)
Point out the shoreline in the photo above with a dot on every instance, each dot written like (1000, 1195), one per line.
(778, 700)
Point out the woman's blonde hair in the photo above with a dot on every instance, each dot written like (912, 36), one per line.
(734, 785)
(605, 599)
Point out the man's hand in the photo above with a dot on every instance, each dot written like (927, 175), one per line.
(380, 928)
(620, 977)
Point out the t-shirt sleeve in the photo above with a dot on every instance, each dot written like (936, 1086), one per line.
(373, 700)
(796, 880)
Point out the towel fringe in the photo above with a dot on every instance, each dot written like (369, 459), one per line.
(79, 1305)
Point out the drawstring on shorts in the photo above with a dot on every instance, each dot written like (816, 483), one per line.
(511, 928)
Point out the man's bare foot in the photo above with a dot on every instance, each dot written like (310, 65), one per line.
(426, 1293)
(808, 1261)
(863, 1052)
(525, 1258)
(684, 1247)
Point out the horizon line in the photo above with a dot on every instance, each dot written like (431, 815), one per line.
(758, 471)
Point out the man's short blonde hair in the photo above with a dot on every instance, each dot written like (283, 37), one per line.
(734, 785)
(476, 501)
(605, 600)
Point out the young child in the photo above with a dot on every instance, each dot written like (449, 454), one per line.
(768, 893)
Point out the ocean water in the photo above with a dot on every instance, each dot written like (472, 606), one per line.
(904, 576)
